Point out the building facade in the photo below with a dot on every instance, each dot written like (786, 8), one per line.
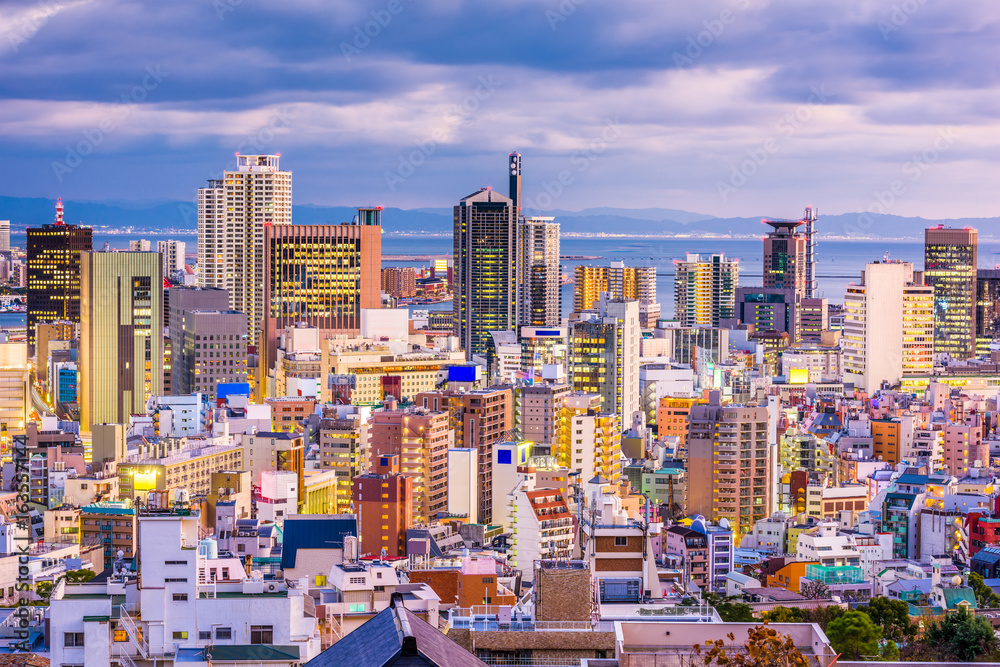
(950, 257)
(705, 289)
(539, 283)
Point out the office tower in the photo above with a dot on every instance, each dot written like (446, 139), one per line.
(888, 326)
(480, 419)
(14, 392)
(399, 282)
(628, 283)
(121, 335)
(4, 235)
(950, 257)
(233, 214)
(212, 350)
(54, 272)
(173, 256)
(539, 302)
(814, 318)
(769, 309)
(730, 457)
(486, 269)
(809, 231)
(785, 257)
(420, 439)
(180, 300)
(987, 309)
(320, 275)
(46, 335)
(515, 182)
(705, 289)
(542, 347)
(139, 245)
(604, 357)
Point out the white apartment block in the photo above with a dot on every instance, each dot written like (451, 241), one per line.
(541, 527)
(173, 256)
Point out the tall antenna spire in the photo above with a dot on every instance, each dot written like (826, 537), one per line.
(59, 212)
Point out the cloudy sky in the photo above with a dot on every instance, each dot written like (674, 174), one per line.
(735, 107)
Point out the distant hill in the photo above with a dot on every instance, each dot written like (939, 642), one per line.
(182, 215)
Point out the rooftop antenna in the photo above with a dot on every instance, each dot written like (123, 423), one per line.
(886, 258)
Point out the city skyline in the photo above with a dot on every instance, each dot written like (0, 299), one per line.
(836, 125)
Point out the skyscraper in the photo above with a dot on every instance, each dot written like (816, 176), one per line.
(121, 335)
(233, 214)
(322, 275)
(705, 289)
(888, 326)
(539, 301)
(629, 283)
(486, 269)
(987, 308)
(785, 257)
(604, 357)
(54, 272)
(950, 257)
(4, 235)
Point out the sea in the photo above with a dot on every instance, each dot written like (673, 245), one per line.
(839, 261)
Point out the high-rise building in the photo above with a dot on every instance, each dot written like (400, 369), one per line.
(628, 283)
(809, 231)
(399, 282)
(420, 439)
(180, 300)
(769, 309)
(14, 392)
(486, 269)
(320, 275)
(705, 289)
(604, 357)
(140, 245)
(814, 318)
(211, 351)
(728, 446)
(233, 214)
(950, 257)
(383, 500)
(540, 408)
(539, 302)
(4, 235)
(987, 308)
(173, 256)
(343, 448)
(121, 335)
(888, 326)
(54, 272)
(785, 257)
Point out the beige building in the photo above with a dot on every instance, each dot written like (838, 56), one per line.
(121, 335)
(343, 448)
(173, 463)
(540, 410)
(626, 283)
(14, 390)
(378, 372)
(888, 326)
(728, 447)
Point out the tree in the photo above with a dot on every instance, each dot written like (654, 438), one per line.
(961, 635)
(815, 590)
(79, 576)
(822, 616)
(44, 589)
(783, 615)
(764, 647)
(893, 616)
(985, 597)
(735, 612)
(854, 636)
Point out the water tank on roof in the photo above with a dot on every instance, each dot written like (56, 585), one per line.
(208, 548)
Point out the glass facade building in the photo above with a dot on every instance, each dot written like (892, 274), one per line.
(54, 274)
(950, 257)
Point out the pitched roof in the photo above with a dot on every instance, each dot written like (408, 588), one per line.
(396, 636)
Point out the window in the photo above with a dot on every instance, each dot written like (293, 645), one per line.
(73, 639)
(225, 573)
(121, 635)
(621, 540)
(357, 607)
(180, 597)
(204, 635)
(175, 562)
(175, 580)
(241, 547)
(223, 633)
(264, 634)
(181, 635)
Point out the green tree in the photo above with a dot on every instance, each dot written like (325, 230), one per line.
(893, 616)
(815, 590)
(44, 589)
(854, 635)
(962, 635)
(822, 616)
(783, 615)
(79, 576)
(765, 647)
(985, 597)
(735, 612)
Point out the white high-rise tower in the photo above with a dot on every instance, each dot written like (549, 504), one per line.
(232, 215)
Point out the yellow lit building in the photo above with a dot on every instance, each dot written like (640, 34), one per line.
(408, 374)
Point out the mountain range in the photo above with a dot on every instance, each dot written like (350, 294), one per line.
(181, 216)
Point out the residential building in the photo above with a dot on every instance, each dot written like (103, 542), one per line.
(486, 270)
(620, 283)
(672, 417)
(604, 356)
(540, 410)
(53, 257)
(121, 339)
(964, 447)
(343, 448)
(729, 444)
(161, 464)
(233, 214)
(539, 283)
(111, 525)
(173, 254)
(400, 282)
(366, 374)
(691, 548)
(705, 289)
(888, 326)
(273, 451)
(541, 525)
(594, 445)
(950, 268)
(384, 503)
